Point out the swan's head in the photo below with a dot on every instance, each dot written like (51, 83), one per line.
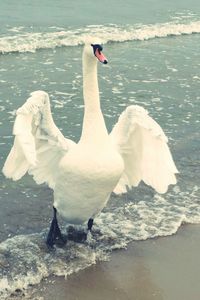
(95, 51)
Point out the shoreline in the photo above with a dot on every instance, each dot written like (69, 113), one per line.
(165, 268)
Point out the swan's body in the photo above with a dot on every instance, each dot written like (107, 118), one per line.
(93, 166)
(83, 175)
(86, 178)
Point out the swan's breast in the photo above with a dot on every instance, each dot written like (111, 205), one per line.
(84, 183)
(102, 166)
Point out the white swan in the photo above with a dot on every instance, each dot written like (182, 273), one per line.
(83, 175)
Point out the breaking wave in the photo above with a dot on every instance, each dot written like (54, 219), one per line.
(19, 40)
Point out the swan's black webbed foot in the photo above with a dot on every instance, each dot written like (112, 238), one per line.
(90, 224)
(78, 236)
(54, 236)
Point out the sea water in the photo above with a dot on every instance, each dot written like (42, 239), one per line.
(153, 53)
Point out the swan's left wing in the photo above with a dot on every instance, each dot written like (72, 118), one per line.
(143, 146)
(39, 145)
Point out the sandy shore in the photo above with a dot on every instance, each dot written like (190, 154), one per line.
(166, 268)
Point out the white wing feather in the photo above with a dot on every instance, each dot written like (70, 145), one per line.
(143, 147)
(39, 145)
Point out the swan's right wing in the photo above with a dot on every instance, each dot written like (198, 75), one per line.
(39, 145)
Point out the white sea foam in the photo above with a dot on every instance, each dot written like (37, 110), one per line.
(32, 41)
(25, 260)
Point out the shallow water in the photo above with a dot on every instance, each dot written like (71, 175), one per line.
(154, 62)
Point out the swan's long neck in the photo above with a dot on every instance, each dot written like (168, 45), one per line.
(94, 128)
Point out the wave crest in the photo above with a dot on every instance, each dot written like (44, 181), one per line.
(30, 41)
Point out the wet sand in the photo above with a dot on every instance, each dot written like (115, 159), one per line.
(166, 268)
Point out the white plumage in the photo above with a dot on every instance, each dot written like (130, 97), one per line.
(143, 147)
(83, 175)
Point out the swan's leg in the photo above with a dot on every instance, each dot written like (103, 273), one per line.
(90, 224)
(54, 234)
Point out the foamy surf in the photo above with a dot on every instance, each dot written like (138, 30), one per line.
(25, 259)
(22, 41)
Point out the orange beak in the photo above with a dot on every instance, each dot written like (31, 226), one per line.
(101, 56)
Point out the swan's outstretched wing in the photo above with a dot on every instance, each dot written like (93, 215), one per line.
(143, 147)
(39, 145)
